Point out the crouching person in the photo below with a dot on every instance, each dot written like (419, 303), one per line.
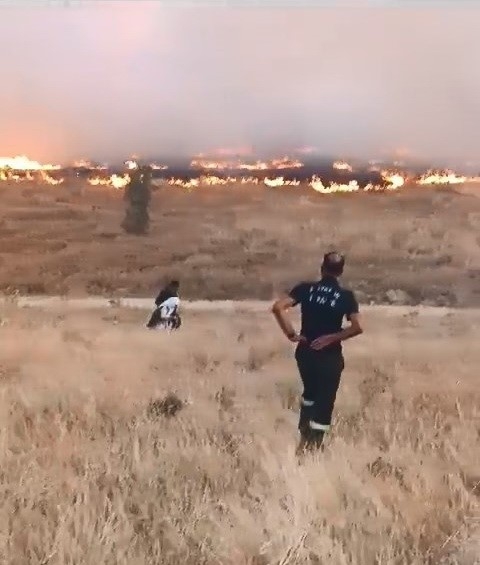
(166, 315)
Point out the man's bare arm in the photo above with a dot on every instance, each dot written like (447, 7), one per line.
(279, 310)
(353, 330)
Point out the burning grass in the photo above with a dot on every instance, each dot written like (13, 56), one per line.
(123, 446)
(203, 171)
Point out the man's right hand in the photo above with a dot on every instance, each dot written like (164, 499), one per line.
(296, 338)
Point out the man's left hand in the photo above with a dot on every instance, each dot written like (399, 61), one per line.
(323, 341)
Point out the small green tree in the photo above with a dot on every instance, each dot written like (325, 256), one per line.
(137, 196)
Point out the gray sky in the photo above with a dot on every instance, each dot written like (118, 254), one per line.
(108, 79)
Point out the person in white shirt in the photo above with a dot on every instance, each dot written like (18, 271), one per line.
(166, 315)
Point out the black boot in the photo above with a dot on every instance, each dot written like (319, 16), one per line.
(316, 440)
(310, 440)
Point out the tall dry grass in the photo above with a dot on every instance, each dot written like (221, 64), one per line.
(125, 446)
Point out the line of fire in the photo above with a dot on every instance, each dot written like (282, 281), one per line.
(323, 175)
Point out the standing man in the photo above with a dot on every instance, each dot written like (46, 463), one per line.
(319, 356)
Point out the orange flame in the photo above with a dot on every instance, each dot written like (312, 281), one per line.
(117, 181)
(131, 164)
(274, 164)
(22, 163)
(394, 179)
(317, 185)
(192, 183)
(342, 166)
(280, 181)
(47, 179)
(84, 164)
(21, 169)
(442, 177)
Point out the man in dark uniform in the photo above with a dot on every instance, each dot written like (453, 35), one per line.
(319, 356)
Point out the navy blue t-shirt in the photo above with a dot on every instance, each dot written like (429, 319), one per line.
(323, 304)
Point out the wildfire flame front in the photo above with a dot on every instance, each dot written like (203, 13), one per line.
(22, 169)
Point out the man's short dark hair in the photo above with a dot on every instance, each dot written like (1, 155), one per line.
(333, 263)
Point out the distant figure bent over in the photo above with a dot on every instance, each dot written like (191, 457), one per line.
(166, 315)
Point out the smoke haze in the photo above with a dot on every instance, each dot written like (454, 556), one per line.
(106, 80)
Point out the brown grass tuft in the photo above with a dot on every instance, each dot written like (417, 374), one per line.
(168, 406)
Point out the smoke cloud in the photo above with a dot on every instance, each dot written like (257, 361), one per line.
(109, 79)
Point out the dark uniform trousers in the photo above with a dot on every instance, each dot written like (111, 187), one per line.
(320, 372)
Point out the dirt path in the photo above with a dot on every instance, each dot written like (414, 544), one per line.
(94, 302)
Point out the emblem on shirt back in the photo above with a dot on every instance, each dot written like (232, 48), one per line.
(324, 295)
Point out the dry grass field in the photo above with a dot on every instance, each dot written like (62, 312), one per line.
(242, 242)
(121, 446)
